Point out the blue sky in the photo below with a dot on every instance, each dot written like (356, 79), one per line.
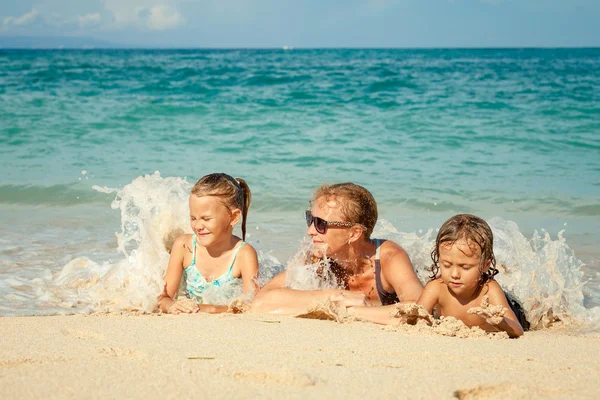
(311, 23)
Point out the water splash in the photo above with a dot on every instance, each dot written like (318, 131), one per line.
(542, 272)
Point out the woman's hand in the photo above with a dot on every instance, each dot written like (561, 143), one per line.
(186, 306)
(347, 298)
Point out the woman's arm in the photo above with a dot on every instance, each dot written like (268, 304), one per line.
(397, 270)
(276, 299)
(172, 279)
(383, 314)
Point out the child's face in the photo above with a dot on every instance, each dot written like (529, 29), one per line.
(210, 219)
(460, 266)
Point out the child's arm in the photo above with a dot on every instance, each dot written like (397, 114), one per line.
(431, 295)
(275, 298)
(507, 323)
(172, 279)
(248, 262)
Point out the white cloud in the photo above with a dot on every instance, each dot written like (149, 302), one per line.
(163, 17)
(89, 19)
(143, 14)
(24, 19)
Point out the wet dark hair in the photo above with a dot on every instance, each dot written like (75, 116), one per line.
(235, 193)
(472, 229)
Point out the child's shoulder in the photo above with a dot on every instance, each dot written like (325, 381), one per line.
(183, 241)
(493, 288)
(246, 250)
(436, 284)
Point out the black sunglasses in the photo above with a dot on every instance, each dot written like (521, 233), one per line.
(321, 225)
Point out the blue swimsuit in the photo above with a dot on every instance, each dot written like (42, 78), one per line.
(196, 283)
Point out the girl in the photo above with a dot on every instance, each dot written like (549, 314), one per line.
(462, 283)
(462, 278)
(212, 256)
(369, 271)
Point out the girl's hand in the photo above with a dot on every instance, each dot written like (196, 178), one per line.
(349, 298)
(186, 306)
(493, 315)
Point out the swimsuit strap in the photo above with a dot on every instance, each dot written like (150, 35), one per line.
(385, 296)
(235, 255)
(193, 251)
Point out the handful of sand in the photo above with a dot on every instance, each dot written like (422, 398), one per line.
(327, 310)
(238, 306)
(411, 314)
(493, 315)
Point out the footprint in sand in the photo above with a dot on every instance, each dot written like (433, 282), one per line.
(119, 352)
(505, 391)
(274, 378)
(83, 334)
(16, 362)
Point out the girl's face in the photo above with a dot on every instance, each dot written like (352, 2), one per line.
(210, 219)
(335, 238)
(460, 266)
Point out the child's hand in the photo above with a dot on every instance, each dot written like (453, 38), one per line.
(411, 313)
(349, 298)
(186, 306)
(238, 306)
(493, 315)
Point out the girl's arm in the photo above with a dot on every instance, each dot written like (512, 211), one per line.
(509, 324)
(248, 262)
(173, 278)
(431, 295)
(275, 298)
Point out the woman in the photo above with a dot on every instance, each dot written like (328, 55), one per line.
(371, 272)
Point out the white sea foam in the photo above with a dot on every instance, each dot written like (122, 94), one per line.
(541, 271)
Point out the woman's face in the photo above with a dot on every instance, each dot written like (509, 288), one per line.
(335, 239)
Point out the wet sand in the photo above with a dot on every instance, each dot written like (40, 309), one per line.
(247, 356)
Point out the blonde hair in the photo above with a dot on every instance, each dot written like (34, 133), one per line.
(357, 205)
(235, 193)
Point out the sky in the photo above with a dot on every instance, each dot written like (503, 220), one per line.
(310, 23)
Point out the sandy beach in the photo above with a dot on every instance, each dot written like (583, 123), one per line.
(247, 356)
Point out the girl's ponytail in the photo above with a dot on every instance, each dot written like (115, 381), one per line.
(247, 197)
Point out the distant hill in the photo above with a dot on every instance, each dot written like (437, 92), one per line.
(55, 42)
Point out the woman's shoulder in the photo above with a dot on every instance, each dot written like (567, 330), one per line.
(389, 249)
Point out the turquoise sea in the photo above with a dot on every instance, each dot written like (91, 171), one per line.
(512, 135)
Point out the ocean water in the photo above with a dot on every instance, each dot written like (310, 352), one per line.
(100, 147)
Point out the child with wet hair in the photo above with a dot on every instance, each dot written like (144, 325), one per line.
(212, 257)
(462, 281)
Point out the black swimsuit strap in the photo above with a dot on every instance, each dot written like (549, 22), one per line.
(386, 298)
